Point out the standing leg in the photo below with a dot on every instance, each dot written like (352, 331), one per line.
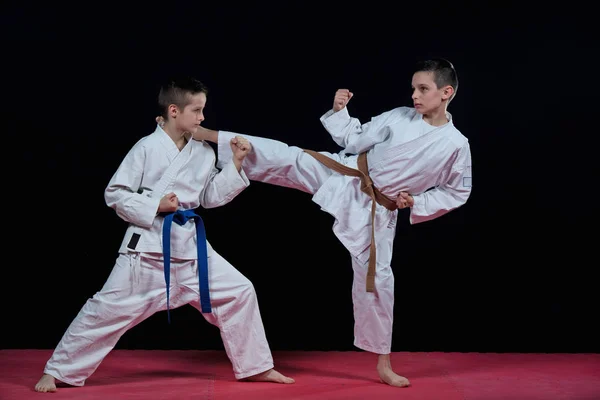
(374, 312)
(133, 292)
(236, 313)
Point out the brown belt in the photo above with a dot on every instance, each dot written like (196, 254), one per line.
(367, 187)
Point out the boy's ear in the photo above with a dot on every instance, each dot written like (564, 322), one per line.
(447, 92)
(173, 111)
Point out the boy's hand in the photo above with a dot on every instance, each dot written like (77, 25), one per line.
(240, 147)
(168, 203)
(342, 97)
(405, 200)
(160, 121)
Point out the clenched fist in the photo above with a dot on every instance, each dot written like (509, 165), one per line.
(168, 203)
(405, 200)
(342, 97)
(240, 147)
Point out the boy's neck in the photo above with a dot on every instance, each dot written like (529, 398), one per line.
(179, 138)
(437, 117)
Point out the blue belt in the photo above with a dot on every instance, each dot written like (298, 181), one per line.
(181, 217)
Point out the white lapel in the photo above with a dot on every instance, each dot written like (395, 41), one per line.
(425, 139)
(177, 159)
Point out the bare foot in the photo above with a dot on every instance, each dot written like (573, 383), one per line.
(47, 383)
(387, 375)
(270, 376)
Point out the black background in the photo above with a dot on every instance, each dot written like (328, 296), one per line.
(512, 270)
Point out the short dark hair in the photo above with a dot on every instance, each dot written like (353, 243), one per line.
(178, 91)
(444, 73)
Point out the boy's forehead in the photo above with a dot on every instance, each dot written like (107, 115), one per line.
(423, 78)
(198, 99)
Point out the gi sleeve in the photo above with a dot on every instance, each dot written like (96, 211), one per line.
(449, 196)
(353, 136)
(223, 186)
(122, 193)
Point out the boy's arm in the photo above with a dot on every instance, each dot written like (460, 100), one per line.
(445, 198)
(208, 135)
(223, 186)
(348, 132)
(122, 195)
(353, 136)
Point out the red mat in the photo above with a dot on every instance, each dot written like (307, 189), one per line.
(165, 375)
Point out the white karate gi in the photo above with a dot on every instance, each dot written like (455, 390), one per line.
(136, 287)
(404, 154)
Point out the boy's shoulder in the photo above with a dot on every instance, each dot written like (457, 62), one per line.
(401, 110)
(396, 114)
(456, 136)
(201, 145)
(148, 140)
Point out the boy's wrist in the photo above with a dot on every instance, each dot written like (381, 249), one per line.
(237, 163)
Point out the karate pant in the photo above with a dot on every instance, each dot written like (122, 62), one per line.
(135, 290)
(276, 163)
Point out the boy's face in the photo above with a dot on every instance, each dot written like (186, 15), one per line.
(427, 97)
(189, 119)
